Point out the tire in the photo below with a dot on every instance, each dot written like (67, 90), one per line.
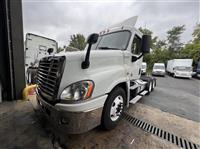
(115, 99)
(149, 87)
(153, 84)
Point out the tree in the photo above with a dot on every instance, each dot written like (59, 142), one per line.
(146, 31)
(60, 49)
(77, 41)
(173, 37)
(191, 51)
(160, 44)
(153, 41)
(196, 34)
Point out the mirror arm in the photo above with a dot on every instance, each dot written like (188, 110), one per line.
(86, 63)
(140, 56)
(136, 58)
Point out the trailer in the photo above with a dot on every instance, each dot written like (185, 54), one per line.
(180, 68)
(80, 90)
(37, 47)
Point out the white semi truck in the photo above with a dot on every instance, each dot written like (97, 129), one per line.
(80, 90)
(180, 68)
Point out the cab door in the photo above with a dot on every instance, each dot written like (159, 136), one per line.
(136, 58)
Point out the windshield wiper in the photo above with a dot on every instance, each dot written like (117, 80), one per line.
(108, 48)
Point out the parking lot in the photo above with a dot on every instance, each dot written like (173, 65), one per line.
(173, 107)
(176, 96)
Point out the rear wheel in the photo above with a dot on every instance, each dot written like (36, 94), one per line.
(153, 84)
(149, 87)
(113, 108)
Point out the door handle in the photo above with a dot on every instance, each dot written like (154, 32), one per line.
(139, 71)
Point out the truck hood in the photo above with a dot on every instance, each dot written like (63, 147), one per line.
(79, 56)
(102, 64)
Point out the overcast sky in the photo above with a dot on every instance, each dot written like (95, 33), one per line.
(58, 19)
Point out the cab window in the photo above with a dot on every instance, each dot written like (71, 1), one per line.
(136, 45)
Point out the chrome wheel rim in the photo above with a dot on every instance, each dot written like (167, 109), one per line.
(116, 108)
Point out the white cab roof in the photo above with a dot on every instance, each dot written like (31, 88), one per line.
(128, 24)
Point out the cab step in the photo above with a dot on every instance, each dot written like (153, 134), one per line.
(143, 93)
(134, 100)
(138, 97)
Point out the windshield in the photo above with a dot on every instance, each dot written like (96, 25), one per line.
(159, 67)
(182, 68)
(116, 40)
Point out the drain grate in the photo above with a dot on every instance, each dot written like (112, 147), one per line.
(180, 142)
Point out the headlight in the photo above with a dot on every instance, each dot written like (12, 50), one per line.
(78, 91)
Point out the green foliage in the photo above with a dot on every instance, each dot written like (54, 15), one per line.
(161, 54)
(196, 34)
(173, 37)
(77, 41)
(153, 39)
(157, 56)
(191, 51)
(60, 49)
(160, 44)
(146, 31)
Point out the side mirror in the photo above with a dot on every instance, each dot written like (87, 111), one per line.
(92, 39)
(50, 50)
(145, 48)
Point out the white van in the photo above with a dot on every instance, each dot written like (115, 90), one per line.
(159, 69)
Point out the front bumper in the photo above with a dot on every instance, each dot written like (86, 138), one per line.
(69, 121)
(183, 75)
(158, 73)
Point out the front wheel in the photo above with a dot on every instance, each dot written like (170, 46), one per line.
(113, 108)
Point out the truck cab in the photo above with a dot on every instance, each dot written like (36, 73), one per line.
(83, 89)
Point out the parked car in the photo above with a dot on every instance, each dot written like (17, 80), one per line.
(144, 68)
(180, 68)
(158, 69)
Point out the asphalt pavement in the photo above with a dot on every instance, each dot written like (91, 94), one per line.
(22, 127)
(177, 96)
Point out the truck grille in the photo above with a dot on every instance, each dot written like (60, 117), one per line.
(49, 76)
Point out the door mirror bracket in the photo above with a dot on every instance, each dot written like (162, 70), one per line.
(135, 58)
(92, 39)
